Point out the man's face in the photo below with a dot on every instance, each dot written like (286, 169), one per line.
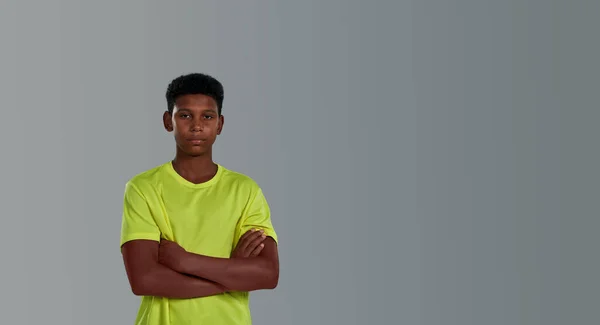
(195, 122)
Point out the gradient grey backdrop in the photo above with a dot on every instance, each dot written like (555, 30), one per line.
(427, 162)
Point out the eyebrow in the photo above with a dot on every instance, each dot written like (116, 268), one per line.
(209, 110)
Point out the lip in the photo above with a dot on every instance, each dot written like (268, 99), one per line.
(196, 141)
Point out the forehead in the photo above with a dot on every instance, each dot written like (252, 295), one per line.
(192, 101)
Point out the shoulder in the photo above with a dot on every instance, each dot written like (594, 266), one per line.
(145, 179)
(238, 180)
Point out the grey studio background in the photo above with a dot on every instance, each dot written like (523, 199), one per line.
(427, 162)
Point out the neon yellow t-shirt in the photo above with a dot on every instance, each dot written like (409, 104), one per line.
(208, 219)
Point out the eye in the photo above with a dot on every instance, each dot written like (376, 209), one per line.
(184, 115)
(208, 117)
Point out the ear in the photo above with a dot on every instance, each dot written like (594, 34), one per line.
(167, 121)
(221, 122)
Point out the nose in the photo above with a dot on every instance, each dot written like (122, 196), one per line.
(197, 126)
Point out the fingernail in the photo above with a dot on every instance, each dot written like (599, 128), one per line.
(262, 231)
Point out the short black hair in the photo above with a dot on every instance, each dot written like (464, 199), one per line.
(194, 83)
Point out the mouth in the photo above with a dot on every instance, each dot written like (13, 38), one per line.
(196, 141)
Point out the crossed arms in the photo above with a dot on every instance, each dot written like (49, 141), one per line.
(166, 270)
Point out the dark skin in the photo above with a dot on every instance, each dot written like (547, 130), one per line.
(149, 276)
(259, 272)
(165, 269)
(195, 123)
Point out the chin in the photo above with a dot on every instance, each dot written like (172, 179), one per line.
(193, 151)
(196, 151)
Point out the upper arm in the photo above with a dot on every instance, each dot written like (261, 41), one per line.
(139, 256)
(137, 220)
(258, 216)
(271, 253)
(140, 237)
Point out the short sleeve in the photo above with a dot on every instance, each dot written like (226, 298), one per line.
(137, 220)
(258, 216)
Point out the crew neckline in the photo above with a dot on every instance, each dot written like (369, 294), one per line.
(180, 179)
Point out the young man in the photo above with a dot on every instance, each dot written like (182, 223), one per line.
(196, 238)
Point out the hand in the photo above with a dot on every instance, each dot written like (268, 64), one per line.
(250, 244)
(171, 255)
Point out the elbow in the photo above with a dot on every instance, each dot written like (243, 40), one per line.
(272, 284)
(266, 279)
(273, 280)
(138, 290)
(142, 285)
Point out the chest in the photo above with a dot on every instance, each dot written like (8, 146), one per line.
(203, 222)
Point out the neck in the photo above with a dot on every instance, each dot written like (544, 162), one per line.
(195, 169)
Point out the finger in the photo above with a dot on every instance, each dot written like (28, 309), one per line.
(247, 233)
(257, 250)
(248, 240)
(245, 236)
(256, 242)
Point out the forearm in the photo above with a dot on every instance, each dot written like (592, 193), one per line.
(161, 281)
(240, 274)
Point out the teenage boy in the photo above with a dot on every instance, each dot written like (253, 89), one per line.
(196, 238)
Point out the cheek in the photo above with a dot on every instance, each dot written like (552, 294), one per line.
(180, 124)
